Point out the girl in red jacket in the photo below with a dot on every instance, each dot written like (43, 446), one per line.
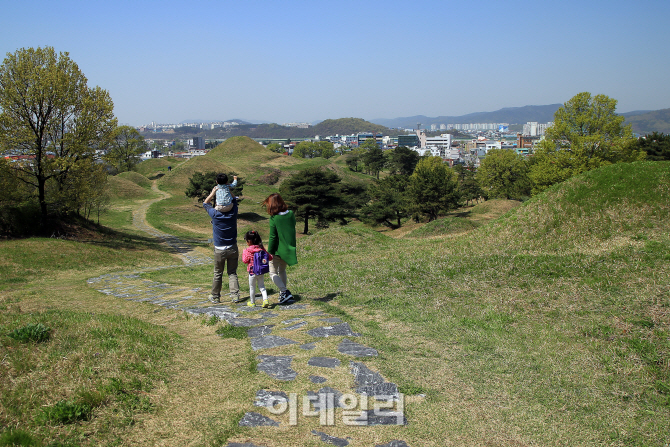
(254, 244)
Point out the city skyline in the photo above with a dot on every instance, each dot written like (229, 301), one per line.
(308, 61)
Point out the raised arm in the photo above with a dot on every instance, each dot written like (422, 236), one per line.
(211, 195)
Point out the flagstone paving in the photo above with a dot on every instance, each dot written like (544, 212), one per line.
(262, 323)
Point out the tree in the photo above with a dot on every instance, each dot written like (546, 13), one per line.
(353, 159)
(504, 174)
(276, 147)
(312, 193)
(586, 134)
(125, 149)
(372, 157)
(351, 197)
(388, 202)
(201, 184)
(325, 149)
(468, 186)
(17, 205)
(51, 115)
(177, 146)
(84, 189)
(432, 188)
(656, 145)
(402, 160)
(312, 149)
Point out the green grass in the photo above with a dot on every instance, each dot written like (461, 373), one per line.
(136, 178)
(131, 186)
(554, 315)
(157, 167)
(180, 216)
(94, 364)
(229, 331)
(546, 326)
(23, 261)
(250, 161)
(626, 200)
(446, 225)
(31, 332)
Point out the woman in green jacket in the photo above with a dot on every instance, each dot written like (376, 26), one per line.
(282, 243)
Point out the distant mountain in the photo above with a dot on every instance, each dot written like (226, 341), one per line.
(642, 121)
(648, 122)
(342, 126)
(215, 121)
(511, 115)
(347, 126)
(635, 112)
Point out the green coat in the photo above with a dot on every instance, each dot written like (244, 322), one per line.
(282, 237)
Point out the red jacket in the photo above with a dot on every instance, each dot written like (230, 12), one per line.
(248, 256)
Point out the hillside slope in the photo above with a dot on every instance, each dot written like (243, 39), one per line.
(613, 205)
(654, 121)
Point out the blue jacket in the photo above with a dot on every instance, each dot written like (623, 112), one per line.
(224, 225)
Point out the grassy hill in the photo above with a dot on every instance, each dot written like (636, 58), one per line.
(156, 167)
(617, 205)
(547, 325)
(128, 187)
(251, 161)
(555, 315)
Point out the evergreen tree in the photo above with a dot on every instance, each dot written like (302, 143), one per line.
(468, 186)
(432, 188)
(388, 202)
(352, 196)
(201, 184)
(656, 145)
(353, 159)
(402, 160)
(312, 193)
(372, 157)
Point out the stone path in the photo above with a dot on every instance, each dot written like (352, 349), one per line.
(370, 401)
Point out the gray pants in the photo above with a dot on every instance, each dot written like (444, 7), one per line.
(278, 272)
(230, 257)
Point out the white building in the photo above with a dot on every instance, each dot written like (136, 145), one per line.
(493, 145)
(439, 146)
(535, 129)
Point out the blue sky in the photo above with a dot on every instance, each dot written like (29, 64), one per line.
(302, 61)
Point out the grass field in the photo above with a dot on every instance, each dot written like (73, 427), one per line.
(545, 323)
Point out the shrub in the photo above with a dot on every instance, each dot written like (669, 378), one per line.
(37, 333)
(65, 412)
(271, 177)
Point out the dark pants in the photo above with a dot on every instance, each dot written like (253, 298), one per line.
(221, 257)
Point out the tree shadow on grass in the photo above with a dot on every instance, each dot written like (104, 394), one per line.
(119, 240)
(328, 297)
(251, 217)
(463, 214)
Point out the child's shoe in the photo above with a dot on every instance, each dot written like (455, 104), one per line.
(251, 304)
(266, 304)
